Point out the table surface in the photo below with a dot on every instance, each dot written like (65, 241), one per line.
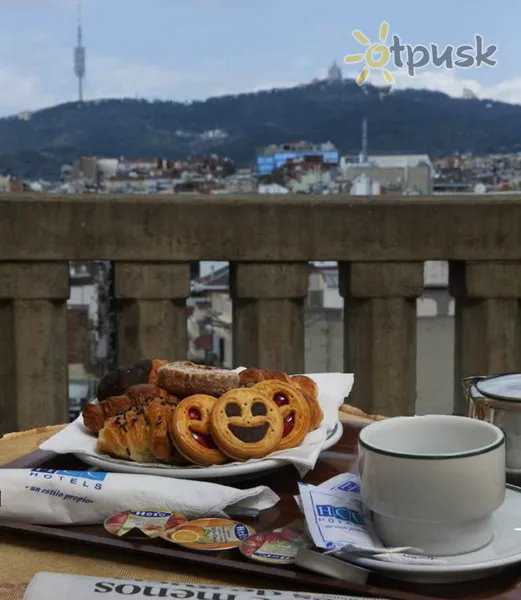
(22, 556)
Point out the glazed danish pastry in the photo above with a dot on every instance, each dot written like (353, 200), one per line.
(126, 436)
(185, 378)
(246, 423)
(96, 413)
(189, 427)
(293, 407)
(140, 434)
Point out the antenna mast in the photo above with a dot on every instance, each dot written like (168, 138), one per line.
(79, 58)
(364, 140)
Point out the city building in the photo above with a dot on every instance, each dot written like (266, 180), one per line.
(275, 156)
(396, 172)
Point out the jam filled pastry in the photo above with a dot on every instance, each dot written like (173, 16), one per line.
(189, 428)
(185, 378)
(309, 390)
(293, 408)
(246, 423)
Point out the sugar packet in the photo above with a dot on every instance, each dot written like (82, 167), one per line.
(339, 523)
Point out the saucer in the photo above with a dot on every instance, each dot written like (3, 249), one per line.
(504, 550)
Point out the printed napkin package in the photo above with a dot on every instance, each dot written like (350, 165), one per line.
(333, 389)
(51, 497)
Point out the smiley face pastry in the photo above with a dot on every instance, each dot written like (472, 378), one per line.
(246, 423)
(309, 390)
(294, 410)
(190, 431)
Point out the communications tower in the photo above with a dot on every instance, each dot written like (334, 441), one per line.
(79, 58)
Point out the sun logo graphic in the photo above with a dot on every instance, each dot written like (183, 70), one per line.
(376, 57)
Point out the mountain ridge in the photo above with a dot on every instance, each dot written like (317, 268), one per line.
(400, 121)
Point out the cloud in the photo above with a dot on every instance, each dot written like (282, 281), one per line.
(449, 82)
(37, 71)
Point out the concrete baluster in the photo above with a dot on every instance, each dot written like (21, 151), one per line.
(268, 314)
(33, 344)
(152, 314)
(380, 333)
(487, 321)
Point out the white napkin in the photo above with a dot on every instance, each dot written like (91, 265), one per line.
(333, 389)
(50, 497)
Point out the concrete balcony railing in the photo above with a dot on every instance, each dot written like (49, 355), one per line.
(381, 245)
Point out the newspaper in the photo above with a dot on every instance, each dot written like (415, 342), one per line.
(339, 523)
(57, 586)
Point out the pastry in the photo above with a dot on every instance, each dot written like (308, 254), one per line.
(93, 416)
(185, 378)
(96, 413)
(190, 431)
(140, 434)
(309, 389)
(159, 413)
(126, 436)
(118, 381)
(246, 423)
(252, 375)
(142, 393)
(352, 413)
(293, 407)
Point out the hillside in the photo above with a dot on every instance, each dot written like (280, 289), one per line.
(405, 121)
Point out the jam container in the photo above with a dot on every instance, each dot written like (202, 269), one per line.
(209, 534)
(142, 523)
(271, 548)
(497, 400)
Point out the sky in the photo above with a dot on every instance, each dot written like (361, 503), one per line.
(192, 49)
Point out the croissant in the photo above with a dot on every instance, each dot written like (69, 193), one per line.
(140, 434)
(96, 414)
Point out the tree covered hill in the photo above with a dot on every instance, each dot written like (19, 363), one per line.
(404, 121)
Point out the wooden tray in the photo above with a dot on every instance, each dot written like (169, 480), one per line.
(340, 459)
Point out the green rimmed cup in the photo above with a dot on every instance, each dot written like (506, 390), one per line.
(433, 481)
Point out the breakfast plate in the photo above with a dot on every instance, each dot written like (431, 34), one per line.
(222, 472)
(503, 551)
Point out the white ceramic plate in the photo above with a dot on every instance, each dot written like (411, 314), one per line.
(504, 550)
(224, 472)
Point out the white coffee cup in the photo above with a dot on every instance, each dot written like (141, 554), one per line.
(433, 481)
